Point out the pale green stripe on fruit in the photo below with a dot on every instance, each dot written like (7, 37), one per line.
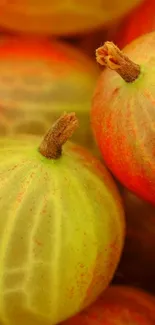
(52, 198)
(9, 220)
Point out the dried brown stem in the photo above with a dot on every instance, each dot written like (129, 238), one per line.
(59, 133)
(110, 56)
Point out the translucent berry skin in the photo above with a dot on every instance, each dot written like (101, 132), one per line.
(63, 17)
(119, 305)
(61, 232)
(123, 120)
(40, 80)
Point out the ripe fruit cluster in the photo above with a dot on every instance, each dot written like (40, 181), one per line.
(123, 121)
(77, 233)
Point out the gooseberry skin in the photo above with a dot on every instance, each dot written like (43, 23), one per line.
(61, 232)
(123, 120)
(39, 80)
(61, 18)
(119, 305)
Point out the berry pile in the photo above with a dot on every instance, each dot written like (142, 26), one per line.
(77, 162)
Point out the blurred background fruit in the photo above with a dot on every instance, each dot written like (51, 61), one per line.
(140, 21)
(61, 17)
(88, 42)
(38, 81)
(137, 266)
(118, 306)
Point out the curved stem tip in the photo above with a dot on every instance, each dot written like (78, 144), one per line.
(58, 134)
(110, 56)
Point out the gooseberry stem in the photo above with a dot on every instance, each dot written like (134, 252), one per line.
(110, 56)
(58, 134)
